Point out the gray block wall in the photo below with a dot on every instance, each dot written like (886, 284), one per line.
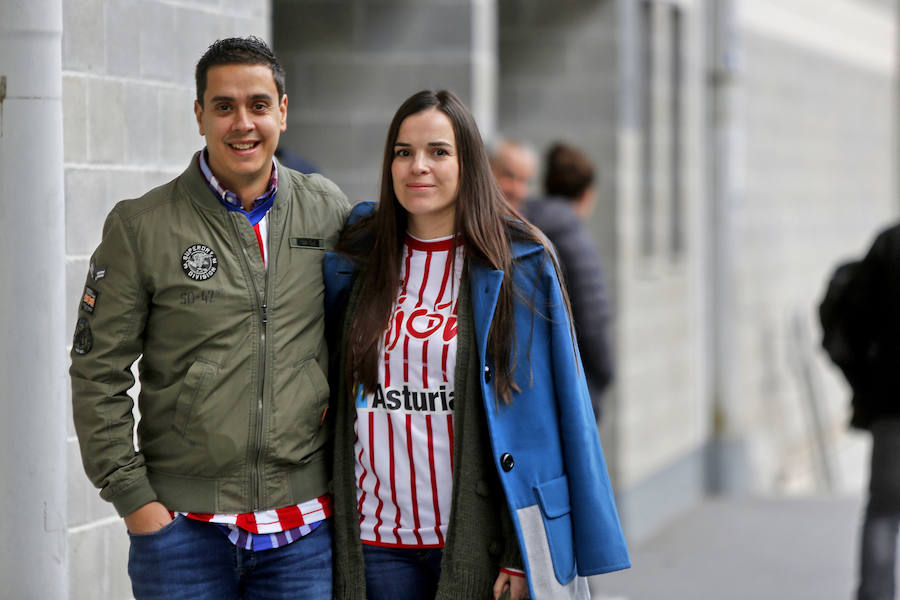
(350, 65)
(559, 79)
(128, 124)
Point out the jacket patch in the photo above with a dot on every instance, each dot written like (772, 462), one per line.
(97, 273)
(84, 339)
(89, 299)
(199, 262)
(302, 242)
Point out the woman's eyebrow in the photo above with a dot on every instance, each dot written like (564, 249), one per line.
(437, 143)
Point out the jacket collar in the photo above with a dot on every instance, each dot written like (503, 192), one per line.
(523, 249)
(199, 192)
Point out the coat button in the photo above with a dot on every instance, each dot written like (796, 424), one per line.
(507, 461)
(482, 489)
(495, 548)
(488, 373)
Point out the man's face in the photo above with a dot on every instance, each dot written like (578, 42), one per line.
(514, 168)
(241, 118)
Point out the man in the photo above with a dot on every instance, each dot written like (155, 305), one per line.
(569, 185)
(514, 165)
(214, 280)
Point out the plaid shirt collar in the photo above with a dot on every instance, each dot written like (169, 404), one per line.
(226, 196)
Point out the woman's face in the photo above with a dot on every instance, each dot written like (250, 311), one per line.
(425, 173)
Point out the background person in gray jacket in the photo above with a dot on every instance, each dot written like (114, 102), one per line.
(569, 176)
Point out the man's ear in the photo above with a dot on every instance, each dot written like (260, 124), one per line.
(283, 108)
(198, 113)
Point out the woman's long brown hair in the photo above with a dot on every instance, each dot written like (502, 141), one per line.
(484, 225)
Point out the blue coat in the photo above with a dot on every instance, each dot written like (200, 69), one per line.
(545, 445)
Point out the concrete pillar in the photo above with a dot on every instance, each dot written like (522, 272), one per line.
(485, 68)
(33, 340)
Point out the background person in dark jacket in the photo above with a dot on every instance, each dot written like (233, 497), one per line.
(569, 177)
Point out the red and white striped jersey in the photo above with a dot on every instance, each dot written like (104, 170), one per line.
(404, 431)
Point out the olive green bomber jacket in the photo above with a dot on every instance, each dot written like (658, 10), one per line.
(233, 361)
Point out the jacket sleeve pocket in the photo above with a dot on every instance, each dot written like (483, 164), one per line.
(556, 512)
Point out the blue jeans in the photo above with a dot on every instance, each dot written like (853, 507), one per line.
(878, 548)
(188, 559)
(401, 573)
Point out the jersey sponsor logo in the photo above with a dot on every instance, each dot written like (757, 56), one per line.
(420, 323)
(406, 400)
(89, 299)
(199, 262)
(84, 339)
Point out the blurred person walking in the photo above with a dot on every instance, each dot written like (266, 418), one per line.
(861, 324)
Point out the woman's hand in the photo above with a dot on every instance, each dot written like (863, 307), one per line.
(151, 517)
(516, 584)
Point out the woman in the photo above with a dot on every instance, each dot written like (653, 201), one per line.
(467, 462)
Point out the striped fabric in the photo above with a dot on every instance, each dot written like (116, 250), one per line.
(268, 529)
(404, 431)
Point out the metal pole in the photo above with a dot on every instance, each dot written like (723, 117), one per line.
(728, 465)
(33, 558)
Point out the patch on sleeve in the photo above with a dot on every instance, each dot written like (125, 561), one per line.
(97, 273)
(89, 299)
(84, 339)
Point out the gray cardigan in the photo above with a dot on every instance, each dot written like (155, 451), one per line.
(480, 535)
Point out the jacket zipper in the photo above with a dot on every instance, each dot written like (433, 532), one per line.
(255, 468)
(257, 496)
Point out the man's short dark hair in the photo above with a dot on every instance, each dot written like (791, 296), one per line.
(568, 172)
(238, 51)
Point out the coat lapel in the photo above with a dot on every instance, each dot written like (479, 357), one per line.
(484, 287)
(485, 291)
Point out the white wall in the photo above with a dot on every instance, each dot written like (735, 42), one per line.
(128, 92)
